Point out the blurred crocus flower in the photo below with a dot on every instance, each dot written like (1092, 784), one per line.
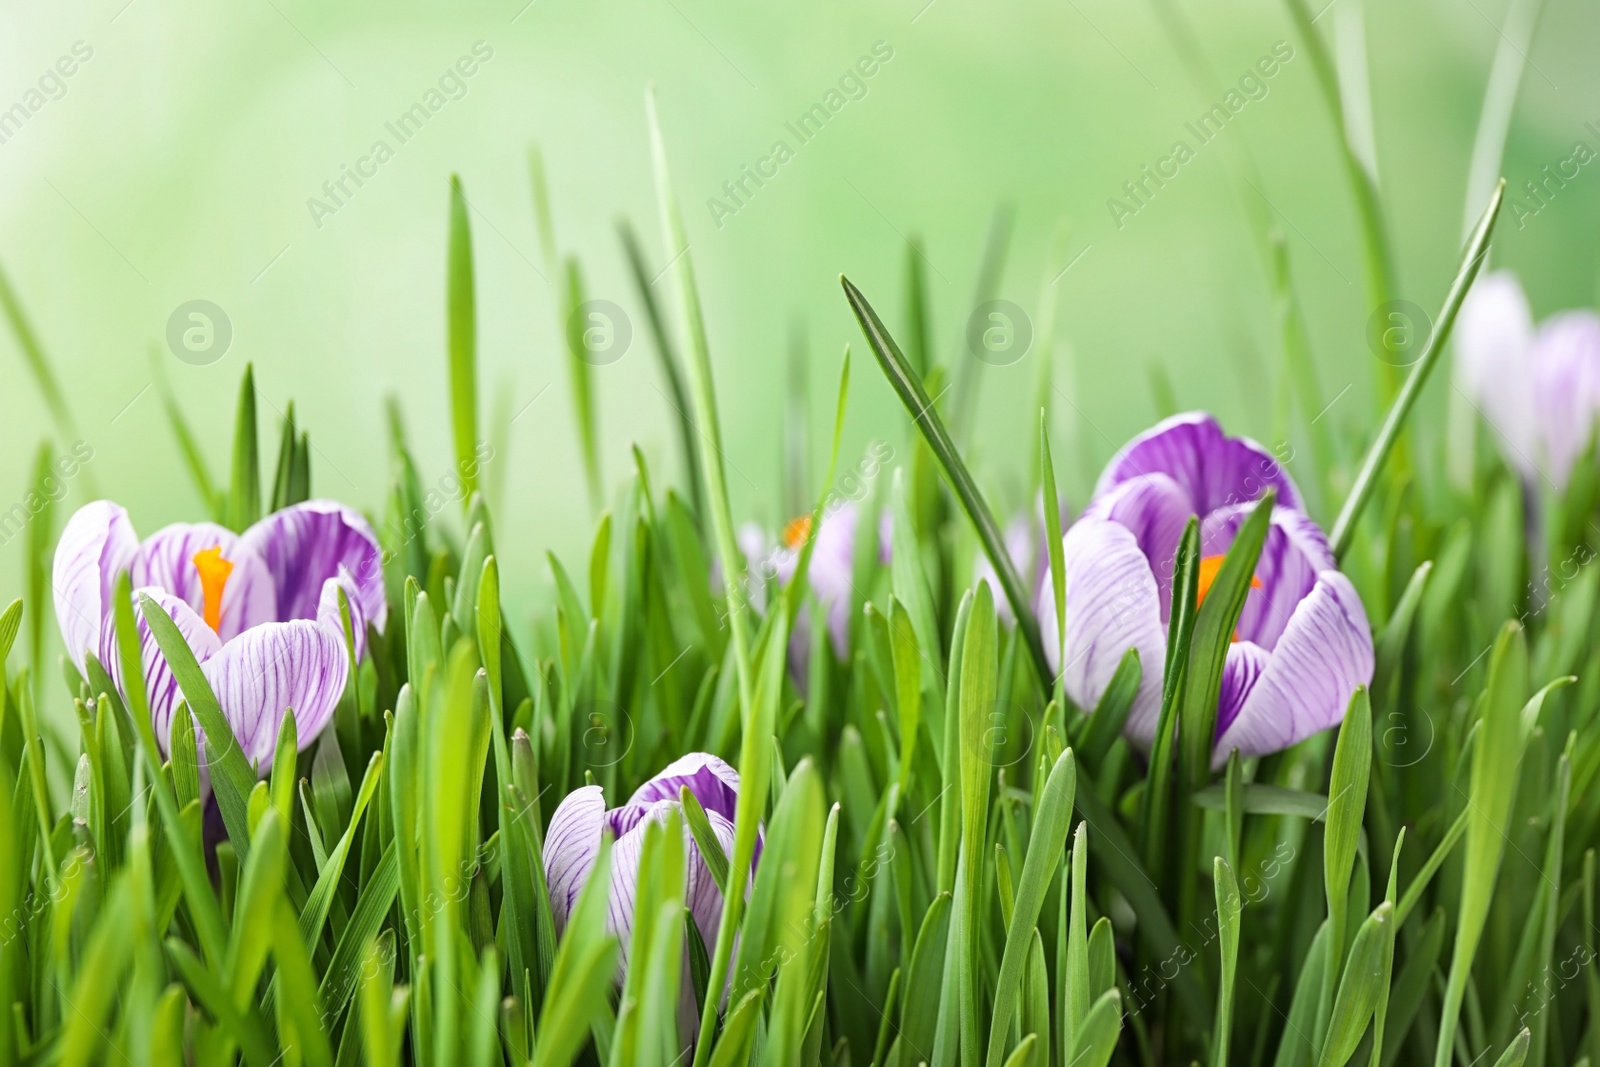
(572, 843)
(1303, 643)
(1537, 388)
(830, 573)
(259, 609)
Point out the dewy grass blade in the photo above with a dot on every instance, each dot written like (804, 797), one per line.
(462, 316)
(916, 400)
(1372, 464)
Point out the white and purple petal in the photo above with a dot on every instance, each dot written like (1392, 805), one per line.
(274, 667)
(571, 843)
(161, 687)
(1324, 653)
(1112, 605)
(1213, 469)
(1294, 554)
(1494, 348)
(166, 559)
(1566, 386)
(328, 609)
(304, 545)
(714, 784)
(95, 546)
(1240, 670)
(1156, 509)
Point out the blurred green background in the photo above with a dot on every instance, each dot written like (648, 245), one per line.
(177, 161)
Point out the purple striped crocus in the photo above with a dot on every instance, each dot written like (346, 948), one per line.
(260, 609)
(1537, 388)
(572, 842)
(1303, 643)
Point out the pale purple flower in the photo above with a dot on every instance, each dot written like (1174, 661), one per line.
(1302, 645)
(258, 609)
(572, 843)
(1538, 388)
(830, 574)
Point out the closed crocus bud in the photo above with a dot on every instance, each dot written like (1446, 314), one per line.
(572, 843)
(1303, 643)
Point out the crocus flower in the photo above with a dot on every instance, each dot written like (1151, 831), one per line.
(572, 842)
(1302, 645)
(258, 609)
(1538, 388)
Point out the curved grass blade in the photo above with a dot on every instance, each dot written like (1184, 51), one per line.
(908, 386)
(1366, 479)
(644, 285)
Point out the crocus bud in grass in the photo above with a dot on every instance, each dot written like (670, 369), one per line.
(572, 842)
(1537, 388)
(1303, 643)
(260, 610)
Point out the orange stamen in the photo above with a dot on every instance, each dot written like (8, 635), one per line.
(796, 531)
(214, 571)
(1209, 566)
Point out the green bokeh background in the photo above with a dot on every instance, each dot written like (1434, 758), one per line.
(179, 162)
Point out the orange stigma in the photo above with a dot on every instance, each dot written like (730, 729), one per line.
(1209, 566)
(214, 571)
(796, 531)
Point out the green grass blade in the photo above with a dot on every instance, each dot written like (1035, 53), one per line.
(1372, 465)
(38, 363)
(244, 487)
(462, 327)
(1495, 760)
(908, 386)
(1229, 905)
(644, 287)
(1048, 836)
